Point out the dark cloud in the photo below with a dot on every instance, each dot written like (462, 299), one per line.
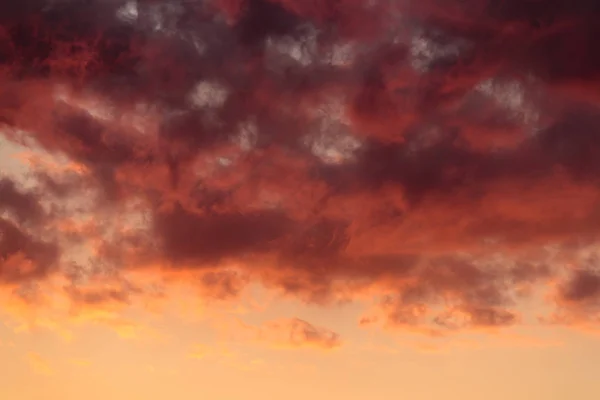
(449, 293)
(581, 287)
(577, 296)
(25, 206)
(23, 257)
(222, 285)
(196, 239)
(328, 147)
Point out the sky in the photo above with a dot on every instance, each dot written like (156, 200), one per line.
(291, 199)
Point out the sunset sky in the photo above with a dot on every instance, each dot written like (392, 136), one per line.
(299, 199)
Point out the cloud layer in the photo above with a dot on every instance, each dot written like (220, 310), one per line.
(436, 159)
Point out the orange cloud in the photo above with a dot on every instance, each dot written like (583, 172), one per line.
(80, 362)
(38, 364)
(282, 333)
(297, 333)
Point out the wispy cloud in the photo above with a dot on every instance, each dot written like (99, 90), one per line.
(39, 365)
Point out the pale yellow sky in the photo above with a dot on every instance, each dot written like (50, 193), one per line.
(98, 364)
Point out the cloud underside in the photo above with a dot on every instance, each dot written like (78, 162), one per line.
(436, 160)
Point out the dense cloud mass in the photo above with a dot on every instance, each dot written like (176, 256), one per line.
(437, 158)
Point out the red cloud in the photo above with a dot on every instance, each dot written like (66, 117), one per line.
(23, 257)
(328, 150)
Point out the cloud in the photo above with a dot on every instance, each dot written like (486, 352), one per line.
(443, 173)
(577, 295)
(25, 206)
(38, 364)
(283, 333)
(80, 362)
(200, 352)
(23, 256)
(297, 333)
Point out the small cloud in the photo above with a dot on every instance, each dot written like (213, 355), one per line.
(80, 362)
(208, 95)
(283, 333)
(128, 12)
(295, 333)
(202, 351)
(198, 352)
(38, 364)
